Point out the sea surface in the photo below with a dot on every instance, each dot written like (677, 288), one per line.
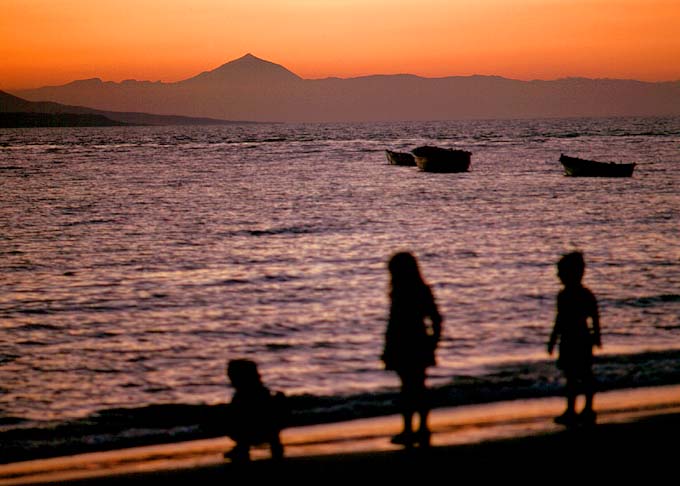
(135, 261)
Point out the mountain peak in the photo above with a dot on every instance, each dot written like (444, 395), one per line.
(249, 56)
(247, 68)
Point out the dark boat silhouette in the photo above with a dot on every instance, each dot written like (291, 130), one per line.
(400, 158)
(576, 167)
(437, 159)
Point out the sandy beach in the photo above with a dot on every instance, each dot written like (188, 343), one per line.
(516, 440)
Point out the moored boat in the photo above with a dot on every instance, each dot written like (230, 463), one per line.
(437, 159)
(575, 167)
(400, 158)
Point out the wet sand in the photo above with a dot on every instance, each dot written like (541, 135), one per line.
(635, 436)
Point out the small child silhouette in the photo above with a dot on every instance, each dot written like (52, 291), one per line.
(575, 306)
(256, 416)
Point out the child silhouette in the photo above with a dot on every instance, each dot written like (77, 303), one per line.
(576, 305)
(410, 343)
(256, 415)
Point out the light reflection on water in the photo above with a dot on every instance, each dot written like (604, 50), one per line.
(137, 260)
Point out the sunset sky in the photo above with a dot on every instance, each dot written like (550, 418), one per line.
(46, 42)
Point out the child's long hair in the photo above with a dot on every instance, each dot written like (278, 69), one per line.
(405, 273)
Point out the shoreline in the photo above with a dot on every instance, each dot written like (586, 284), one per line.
(153, 424)
(631, 426)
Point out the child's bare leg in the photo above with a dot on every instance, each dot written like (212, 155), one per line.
(571, 390)
(589, 402)
(407, 416)
(276, 447)
(588, 416)
(240, 453)
(407, 399)
(569, 415)
(423, 412)
(405, 437)
(571, 403)
(589, 385)
(423, 429)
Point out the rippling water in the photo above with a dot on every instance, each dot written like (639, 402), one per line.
(136, 261)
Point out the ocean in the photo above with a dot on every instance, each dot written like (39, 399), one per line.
(137, 260)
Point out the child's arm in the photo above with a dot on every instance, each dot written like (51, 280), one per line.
(556, 327)
(595, 316)
(553, 337)
(435, 318)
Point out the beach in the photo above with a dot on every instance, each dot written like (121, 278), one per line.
(517, 439)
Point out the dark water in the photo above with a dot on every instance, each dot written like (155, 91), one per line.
(136, 261)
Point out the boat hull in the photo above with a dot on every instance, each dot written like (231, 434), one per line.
(575, 167)
(435, 159)
(400, 158)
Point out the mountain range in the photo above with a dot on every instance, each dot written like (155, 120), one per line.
(253, 89)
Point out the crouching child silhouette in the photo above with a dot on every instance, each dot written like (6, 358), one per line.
(255, 414)
(576, 306)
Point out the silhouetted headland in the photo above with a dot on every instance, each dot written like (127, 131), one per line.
(16, 112)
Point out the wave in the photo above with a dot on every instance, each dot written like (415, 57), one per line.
(294, 230)
(281, 230)
(49, 309)
(567, 135)
(38, 327)
(91, 221)
(7, 358)
(650, 301)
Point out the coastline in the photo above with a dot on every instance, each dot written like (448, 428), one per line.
(635, 428)
(168, 423)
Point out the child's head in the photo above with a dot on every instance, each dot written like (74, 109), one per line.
(570, 268)
(243, 373)
(404, 269)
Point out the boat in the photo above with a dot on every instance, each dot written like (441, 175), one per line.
(437, 159)
(400, 158)
(576, 167)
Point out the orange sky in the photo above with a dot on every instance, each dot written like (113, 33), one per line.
(45, 42)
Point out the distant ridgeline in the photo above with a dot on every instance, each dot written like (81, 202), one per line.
(17, 112)
(253, 89)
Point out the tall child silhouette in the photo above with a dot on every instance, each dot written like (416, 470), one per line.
(410, 343)
(576, 306)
